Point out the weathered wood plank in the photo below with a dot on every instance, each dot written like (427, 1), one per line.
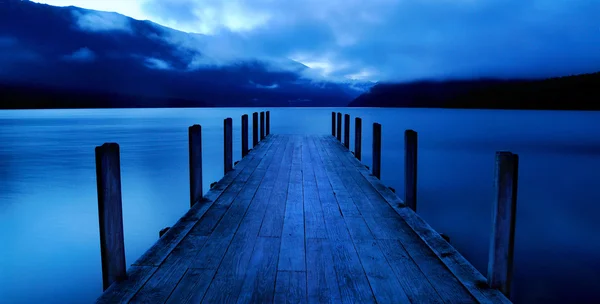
(259, 282)
(358, 189)
(237, 191)
(348, 187)
(290, 287)
(272, 225)
(380, 207)
(314, 223)
(466, 273)
(416, 285)
(192, 286)
(354, 285)
(125, 290)
(228, 179)
(212, 254)
(359, 230)
(330, 185)
(384, 283)
(228, 281)
(332, 209)
(323, 286)
(162, 283)
(299, 191)
(161, 249)
(292, 254)
(444, 282)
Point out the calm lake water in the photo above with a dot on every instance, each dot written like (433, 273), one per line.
(50, 251)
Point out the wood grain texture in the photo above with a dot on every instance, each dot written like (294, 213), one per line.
(110, 214)
(461, 269)
(300, 220)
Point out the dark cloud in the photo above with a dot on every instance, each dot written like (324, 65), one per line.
(401, 40)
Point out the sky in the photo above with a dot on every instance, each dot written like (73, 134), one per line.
(390, 40)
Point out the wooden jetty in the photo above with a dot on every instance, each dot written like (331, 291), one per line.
(300, 220)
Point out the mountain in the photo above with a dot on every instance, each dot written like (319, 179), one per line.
(69, 52)
(578, 92)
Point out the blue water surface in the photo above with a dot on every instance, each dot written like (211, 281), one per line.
(49, 248)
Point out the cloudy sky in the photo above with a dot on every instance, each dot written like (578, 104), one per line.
(392, 40)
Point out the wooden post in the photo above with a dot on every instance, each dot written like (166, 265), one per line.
(110, 214)
(254, 129)
(195, 152)
(500, 264)
(262, 125)
(347, 131)
(268, 122)
(228, 144)
(339, 126)
(358, 138)
(377, 150)
(332, 123)
(244, 135)
(410, 169)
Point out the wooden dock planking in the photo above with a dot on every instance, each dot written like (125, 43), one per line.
(463, 271)
(228, 281)
(300, 220)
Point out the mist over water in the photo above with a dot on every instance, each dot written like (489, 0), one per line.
(50, 249)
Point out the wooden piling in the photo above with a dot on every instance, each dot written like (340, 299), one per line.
(244, 135)
(195, 155)
(268, 123)
(358, 138)
(262, 125)
(410, 169)
(333, 124)
(110, 214)
(347, 131)
(339, 126)
(500, 264)
(228, 144)
(377, 150)
(254, 129)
